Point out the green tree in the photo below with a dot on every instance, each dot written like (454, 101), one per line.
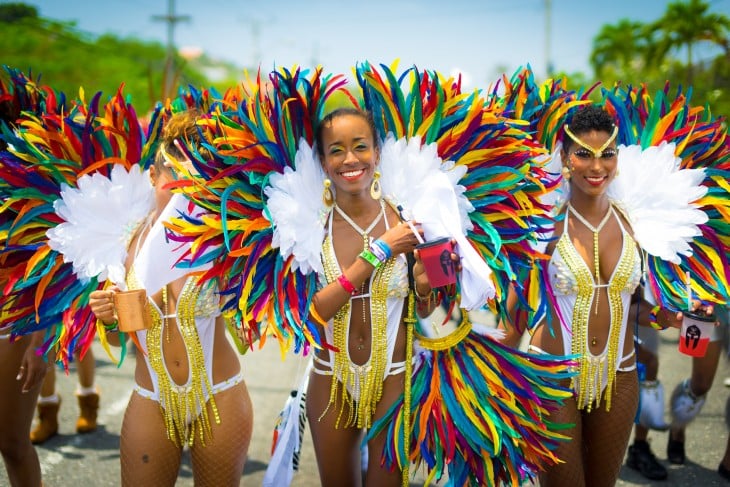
(12, 12)
(619, 51)
(634, 53)
(683, 26)
(68, 59)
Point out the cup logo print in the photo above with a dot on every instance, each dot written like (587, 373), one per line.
(692, 337)
(447, 266)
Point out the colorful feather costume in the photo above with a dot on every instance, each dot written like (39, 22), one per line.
(694, 144)
(266, 227)
(52, 153)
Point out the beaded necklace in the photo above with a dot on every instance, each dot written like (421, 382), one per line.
(365, 233)
(596, 231)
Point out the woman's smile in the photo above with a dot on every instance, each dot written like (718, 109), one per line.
(353, 175)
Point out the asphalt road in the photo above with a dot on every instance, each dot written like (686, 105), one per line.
(70, 460)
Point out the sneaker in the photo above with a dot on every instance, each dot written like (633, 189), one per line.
(675, 451)
(641, 459)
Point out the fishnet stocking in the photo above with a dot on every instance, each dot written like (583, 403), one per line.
(148, 457)
(599, 438)
(606, 434)
(220, 462)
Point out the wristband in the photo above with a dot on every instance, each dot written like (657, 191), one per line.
(653, 322)
(378, 252)
(368, 256)
(346, 284)
(382, 246)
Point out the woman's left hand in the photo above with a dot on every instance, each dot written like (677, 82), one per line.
(674, 320)
(32, 369)
(419, 271)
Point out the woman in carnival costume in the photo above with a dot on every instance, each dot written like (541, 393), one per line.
(189, 386)
(106, 202)
(699, 141)
(608, 224)
(21, 368)
(331, 273)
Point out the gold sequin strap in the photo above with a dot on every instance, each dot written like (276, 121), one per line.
(589, 380)
(183, 407)
(365, 381)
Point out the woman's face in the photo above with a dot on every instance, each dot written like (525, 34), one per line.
(160, 178)
(350, 155)
(589, 174)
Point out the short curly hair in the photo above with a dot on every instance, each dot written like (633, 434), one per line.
(586, 119)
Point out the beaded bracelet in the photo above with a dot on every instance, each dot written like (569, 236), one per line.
(368, 256)
(653, 321)
(346, 284)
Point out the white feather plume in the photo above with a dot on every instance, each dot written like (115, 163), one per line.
(415, 177)
(296, 210)
(99, 218)
(658, 198)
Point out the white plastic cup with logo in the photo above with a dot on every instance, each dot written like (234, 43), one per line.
(695, 334)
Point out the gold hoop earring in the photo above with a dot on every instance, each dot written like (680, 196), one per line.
(565, 172)
(375, 191)
(328, 198)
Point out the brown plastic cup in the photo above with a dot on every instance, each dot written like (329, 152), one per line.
(695, 334)
(436, 257)
(132, 310)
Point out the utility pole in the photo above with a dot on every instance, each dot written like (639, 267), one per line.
(172, 19)
(548, 21)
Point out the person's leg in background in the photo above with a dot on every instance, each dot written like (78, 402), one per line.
(49, 401)
(689, 396)
(87, 394)
(651, 408)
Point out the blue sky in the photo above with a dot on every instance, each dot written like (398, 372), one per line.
(481, 39)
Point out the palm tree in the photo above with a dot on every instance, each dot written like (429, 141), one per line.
(619, 49)
(685, 24)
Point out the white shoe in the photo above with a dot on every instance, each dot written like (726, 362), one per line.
(651, 405)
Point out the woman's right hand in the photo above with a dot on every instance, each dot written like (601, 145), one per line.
(101, 303)
(401, 238)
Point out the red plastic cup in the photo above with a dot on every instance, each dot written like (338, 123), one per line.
(695, 334)
(436, 257)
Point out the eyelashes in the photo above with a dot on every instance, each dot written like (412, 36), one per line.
(586, 154)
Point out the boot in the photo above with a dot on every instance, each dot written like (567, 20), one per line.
(47, 426)
(88, 407)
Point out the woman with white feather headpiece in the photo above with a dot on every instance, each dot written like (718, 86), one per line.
(617, 204)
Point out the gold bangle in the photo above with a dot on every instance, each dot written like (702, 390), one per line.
(422, 298)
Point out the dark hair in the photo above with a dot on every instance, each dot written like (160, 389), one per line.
(341, 112)
(586, 119)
